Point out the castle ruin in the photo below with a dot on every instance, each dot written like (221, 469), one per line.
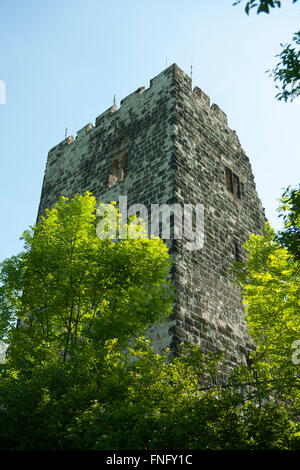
(167, 145)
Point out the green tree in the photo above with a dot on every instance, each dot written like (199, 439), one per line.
(156, 402)
(287, 71)
(289, 210)
(146, 401)
(263, 6)
(78, 376)
(69, 285)
(71, 292)
(270, 284)
(269, 279)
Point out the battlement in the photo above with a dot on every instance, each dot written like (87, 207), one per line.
(133, 102)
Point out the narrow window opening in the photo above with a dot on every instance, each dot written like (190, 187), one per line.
(237, 253)
(228, 180)
(232, 183)
(118, 169)
(114, 173)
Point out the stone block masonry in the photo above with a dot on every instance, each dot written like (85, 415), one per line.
(167, 144)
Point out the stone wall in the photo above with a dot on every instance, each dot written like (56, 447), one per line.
(178, 149)
(209, 311)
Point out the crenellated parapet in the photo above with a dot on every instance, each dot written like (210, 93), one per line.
(137, 101)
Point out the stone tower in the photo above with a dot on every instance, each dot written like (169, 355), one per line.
(166, 144)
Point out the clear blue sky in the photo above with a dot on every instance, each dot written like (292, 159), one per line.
(63, 60)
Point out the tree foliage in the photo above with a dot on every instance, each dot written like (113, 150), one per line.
(162, 408)
(269, 279)
(68, 288)
(80, 375)
(289, 210)
(263, 6)
(287, 70)
(270, 284)
(140, 400)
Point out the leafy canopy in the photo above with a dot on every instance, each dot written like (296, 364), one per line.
(287, 70)
(77, 377)
(68, 288)
(289, 210)
(270, 284)
(263, 6)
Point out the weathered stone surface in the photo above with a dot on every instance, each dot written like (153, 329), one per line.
(178, 149)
